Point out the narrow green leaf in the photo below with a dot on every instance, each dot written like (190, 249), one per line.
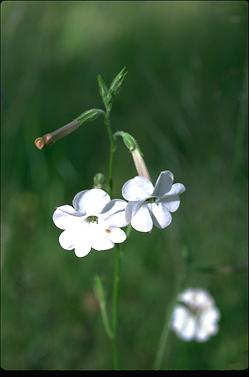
(117, 82)
(99, 292)
(104, 92)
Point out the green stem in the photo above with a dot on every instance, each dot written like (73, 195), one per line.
(115, 297)
(112, 149)
(166, 327)
(116, 276)
(164, 336)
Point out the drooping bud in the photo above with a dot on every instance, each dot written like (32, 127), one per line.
(131, 143)
(52, 137)
(139, 163)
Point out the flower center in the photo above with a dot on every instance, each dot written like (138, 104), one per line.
(92, 219)
(151, 200)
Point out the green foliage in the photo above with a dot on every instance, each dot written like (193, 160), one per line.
(117, 82)
(104, 93)
(108, 95)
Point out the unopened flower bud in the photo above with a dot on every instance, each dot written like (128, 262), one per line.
(131, 143)
(52, 137)
(98, 180)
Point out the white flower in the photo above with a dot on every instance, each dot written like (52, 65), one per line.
(94, 221)
(150, 205)
(195, 318)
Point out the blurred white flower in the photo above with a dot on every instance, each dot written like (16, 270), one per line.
(150, 205)
(94, 221)
(196, 317)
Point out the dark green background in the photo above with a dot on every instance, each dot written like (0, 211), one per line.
(185, 100)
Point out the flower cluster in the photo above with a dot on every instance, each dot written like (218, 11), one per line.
(195, 318)
(94, 220)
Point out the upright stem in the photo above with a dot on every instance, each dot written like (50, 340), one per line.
(115, 297)
(112, 148)
(164, 335)
(116, 275)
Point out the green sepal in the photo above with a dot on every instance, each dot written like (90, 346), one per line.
(89, 115)
(129, 141)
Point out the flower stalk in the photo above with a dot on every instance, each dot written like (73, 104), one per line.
(115, 300)
(180, 281)
(107, 95)
(111, 151)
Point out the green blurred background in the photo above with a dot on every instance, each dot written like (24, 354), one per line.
(185, 100)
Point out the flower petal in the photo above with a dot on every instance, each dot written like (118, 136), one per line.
(210, 315)
(131, 209)
(183, 323)
(164, 183)
(179, 317)
(99, 238)
(188, 296)
(102, 243)
(176, 189)
(205, 330)
(83, 247)
(171, 202)
(67, 240)
(117, 220)
(142, 221)
(114, 213)
(160, 215)
(114, 206)
(203, 299)
(116, 235)
(188, 329)
(197, 298)
(138, 188)
(65, 216)
(91, 202)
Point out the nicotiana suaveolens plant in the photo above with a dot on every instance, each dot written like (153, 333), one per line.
(96, 221)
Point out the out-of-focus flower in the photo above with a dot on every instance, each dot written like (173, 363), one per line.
(196, 316)
(94, 221)
(150, 205)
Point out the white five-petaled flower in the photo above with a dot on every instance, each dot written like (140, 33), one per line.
(195, 318)
(150, 205)
(94, 221)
